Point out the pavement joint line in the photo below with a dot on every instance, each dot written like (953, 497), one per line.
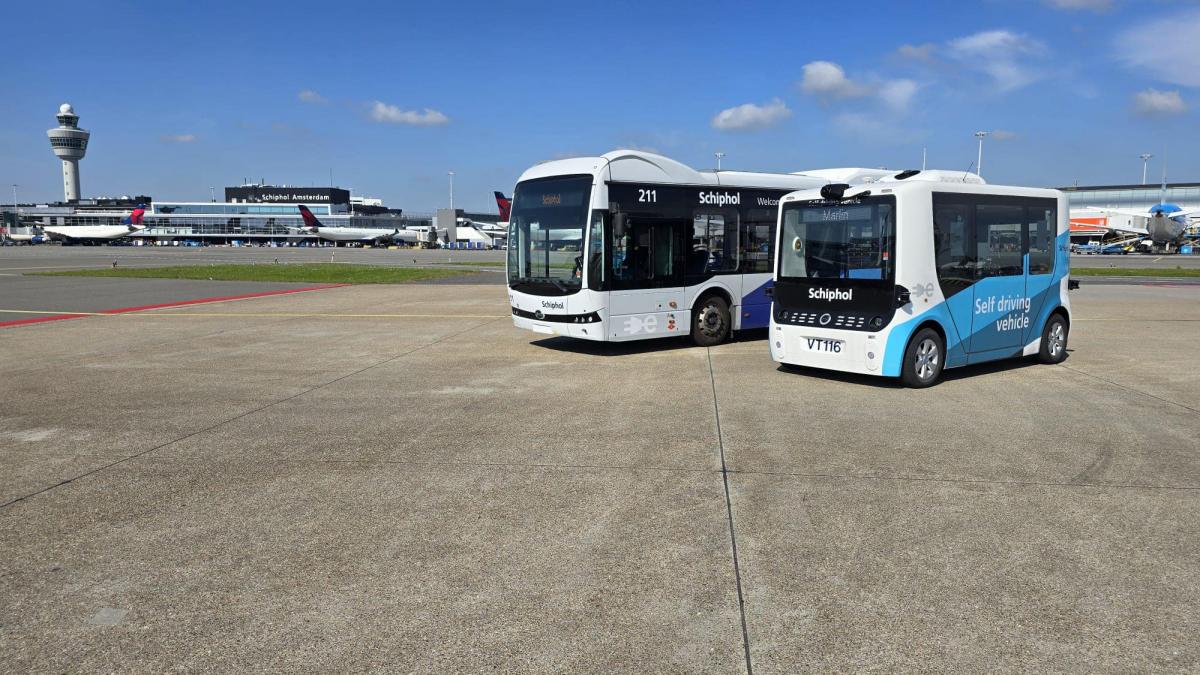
(240, 416)
(965, 481)
(737, 570)
(1128, 388)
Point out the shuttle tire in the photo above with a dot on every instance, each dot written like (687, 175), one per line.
(924, 359)
(1054, 340)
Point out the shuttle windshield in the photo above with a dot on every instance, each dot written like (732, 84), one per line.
(546, 233)
(839, 240)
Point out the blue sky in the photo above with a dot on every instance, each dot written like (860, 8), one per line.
(391, 96)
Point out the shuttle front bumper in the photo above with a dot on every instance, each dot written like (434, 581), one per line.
(848, 351)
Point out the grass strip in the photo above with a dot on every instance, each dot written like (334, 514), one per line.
(321, 273)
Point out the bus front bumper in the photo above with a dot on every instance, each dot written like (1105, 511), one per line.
(846, 351)
(593, 330)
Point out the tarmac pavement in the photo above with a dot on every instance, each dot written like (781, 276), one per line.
(394, 478)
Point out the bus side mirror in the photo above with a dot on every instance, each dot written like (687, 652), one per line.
(903, 297)
(620, 225)
(1072, 284)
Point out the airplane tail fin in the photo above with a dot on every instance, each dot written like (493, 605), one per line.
(505, 205)
(310, 221)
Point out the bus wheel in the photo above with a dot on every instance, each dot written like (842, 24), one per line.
(1054, 341)
(923, 359)
(711, 324)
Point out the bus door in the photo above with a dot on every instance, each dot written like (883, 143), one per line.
(647, 280)
(712, 249)
(1000, 309)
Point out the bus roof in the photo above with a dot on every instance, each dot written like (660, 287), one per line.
(638, 166)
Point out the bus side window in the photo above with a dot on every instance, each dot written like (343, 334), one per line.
(758, 241)
(714, 244)
(998, 240)
(1042, 222)
(955, 266)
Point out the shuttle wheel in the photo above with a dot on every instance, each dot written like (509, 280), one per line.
(712, 323)
(1054, 341)
(923, 359)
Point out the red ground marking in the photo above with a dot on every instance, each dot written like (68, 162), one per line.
(164, 305)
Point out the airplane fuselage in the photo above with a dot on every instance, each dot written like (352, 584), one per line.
(1165, 229)
(91, 232)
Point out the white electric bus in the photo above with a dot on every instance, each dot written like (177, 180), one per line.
(920, 272)
(633, 245)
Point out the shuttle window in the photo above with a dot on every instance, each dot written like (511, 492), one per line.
(998, 240)
(1042, 227)
(955, 265)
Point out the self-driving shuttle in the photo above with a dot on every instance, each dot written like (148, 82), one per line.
(920, 272)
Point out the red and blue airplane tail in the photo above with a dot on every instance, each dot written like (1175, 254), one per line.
(310, 221)
(505, 205)
(135, 218)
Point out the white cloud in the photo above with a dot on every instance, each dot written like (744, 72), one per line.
(178, 138)
(898, 94)
(749, 116)
(1153, 102)
(923, 52)
(825, 78)
(1002, 55)
(311, 96)
(390, 114)
(1164, 48)
(1093, 5)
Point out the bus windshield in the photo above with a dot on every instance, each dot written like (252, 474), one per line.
(850, 240)
(546, 232)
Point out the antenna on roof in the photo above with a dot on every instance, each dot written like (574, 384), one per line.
(1162, 195)
(924, 154)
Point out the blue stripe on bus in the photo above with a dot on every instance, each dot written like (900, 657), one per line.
(756, 307)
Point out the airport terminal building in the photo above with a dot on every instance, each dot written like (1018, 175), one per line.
(256, 213)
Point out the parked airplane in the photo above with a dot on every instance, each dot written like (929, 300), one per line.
(493, 230)
(367, 235)
(71, 234)
(33, 236)
(1163, 224)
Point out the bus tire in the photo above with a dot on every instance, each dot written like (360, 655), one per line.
(710, 321)
(924, 359)
(1054, 340)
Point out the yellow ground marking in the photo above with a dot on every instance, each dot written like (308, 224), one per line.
(159, 312)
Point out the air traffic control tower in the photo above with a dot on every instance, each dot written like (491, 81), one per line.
(69, 144)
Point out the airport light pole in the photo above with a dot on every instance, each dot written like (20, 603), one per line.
(718, 155)
(1145, 162)
(451, 174)
(979, 161)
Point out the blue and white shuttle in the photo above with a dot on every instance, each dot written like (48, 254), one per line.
(920, 272)
(632, 245)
